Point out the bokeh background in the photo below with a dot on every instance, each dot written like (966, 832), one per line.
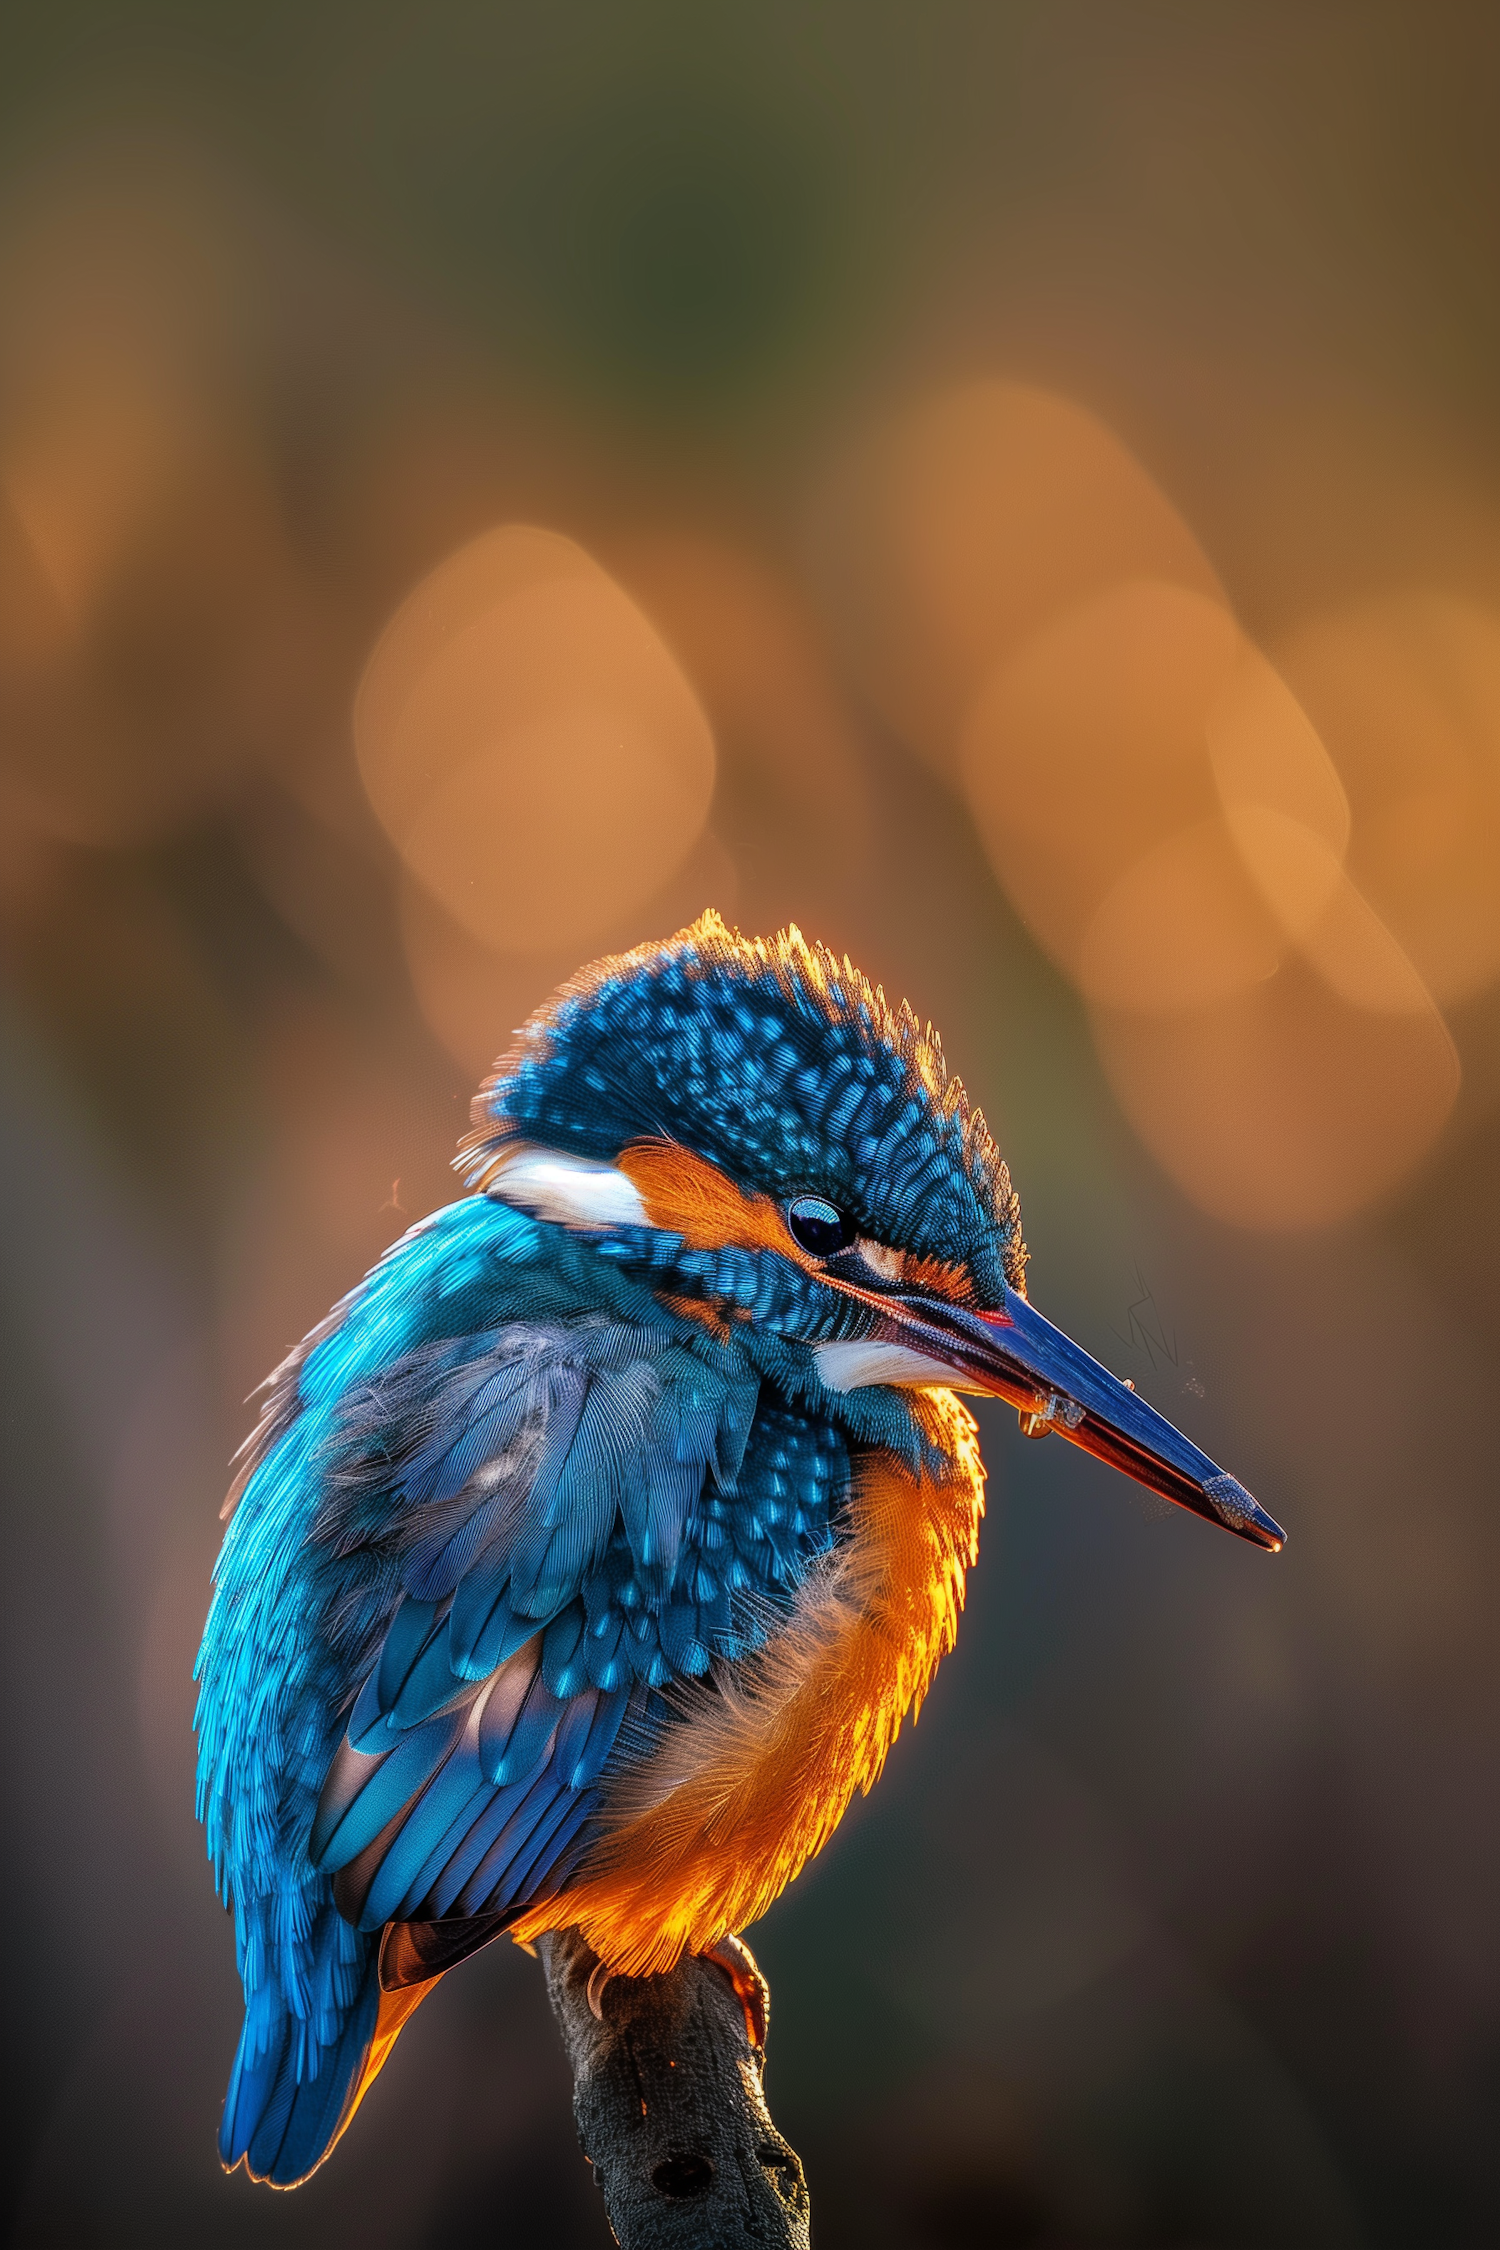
(1015, 489)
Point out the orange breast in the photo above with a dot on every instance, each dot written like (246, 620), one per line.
(761, 1769)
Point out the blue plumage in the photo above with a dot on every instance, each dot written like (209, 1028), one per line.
(564, 1461)
(781, 1066)
(285, 2098)
(367, 1549)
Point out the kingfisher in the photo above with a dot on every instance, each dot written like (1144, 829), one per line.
(587, 1558)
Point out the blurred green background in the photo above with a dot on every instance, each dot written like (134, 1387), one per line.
(1009, 427)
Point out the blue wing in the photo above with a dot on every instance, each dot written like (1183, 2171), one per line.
(556, 1495)
(476, 1533)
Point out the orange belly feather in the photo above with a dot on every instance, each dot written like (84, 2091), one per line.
(766, 1758)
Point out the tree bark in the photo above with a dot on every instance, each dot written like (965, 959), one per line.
(668, 2102)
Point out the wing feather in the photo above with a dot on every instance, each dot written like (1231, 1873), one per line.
(537, 1581)
(471, 1539)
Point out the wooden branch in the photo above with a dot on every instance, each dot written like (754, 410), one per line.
(668, 2102)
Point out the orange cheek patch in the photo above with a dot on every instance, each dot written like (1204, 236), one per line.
(687, 1195)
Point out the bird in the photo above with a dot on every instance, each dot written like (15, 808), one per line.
(586, 1560)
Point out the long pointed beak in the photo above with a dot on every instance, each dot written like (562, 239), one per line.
(1019, 1356)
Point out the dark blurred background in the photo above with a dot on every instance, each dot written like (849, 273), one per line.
(1015, 489)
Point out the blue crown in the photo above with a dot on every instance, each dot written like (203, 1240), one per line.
(776, 1061)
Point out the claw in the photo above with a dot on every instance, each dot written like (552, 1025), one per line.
(598, 1978)
(734, 1957)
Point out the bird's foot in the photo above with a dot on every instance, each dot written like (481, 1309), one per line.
(734, 1957)
(735, 1960)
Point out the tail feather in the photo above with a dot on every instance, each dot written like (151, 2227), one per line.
(281, 2126)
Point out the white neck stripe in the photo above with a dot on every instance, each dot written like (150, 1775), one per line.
(570, 1191)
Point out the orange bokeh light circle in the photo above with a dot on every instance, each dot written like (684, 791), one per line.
(955, 531)
(1405, 690)
(530, 744)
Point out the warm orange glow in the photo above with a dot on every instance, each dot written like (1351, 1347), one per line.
(1163, 811)
(1181, 927)
(963, 528)
(474, 995)
(755, 1782)
(1259, 877)
(34, 627)
(530, 744)
(1085, 752)
(115, 301)
(1266, 754)
(1357, 956)
(780, 718)
(1296, 874)
(1286, 1106)
(1406, 693)
(159, 634)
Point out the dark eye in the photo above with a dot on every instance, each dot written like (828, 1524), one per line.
(818, 1227)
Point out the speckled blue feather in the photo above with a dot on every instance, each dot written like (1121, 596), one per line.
(777, 1062)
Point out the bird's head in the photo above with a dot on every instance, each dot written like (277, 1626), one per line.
(749, 1127)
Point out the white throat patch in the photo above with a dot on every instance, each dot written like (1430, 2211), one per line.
(850, 1366)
